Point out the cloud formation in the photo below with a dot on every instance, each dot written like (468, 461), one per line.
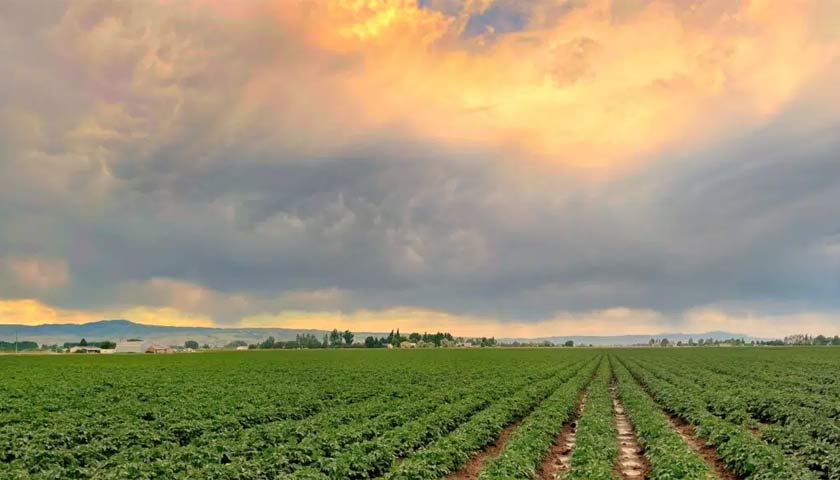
(581, 166)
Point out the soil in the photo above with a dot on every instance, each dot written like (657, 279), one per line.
(558, 459)
(689, 436)
(631, 462)
(473, 467)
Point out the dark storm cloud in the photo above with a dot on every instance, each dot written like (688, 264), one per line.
(118, 172)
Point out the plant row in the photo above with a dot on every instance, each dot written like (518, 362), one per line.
(804, 432)
(596, 438)
(746, 455)
(454, 450)
(529, 443)
(669, 456)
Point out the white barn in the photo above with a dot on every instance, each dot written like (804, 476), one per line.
(130, 347)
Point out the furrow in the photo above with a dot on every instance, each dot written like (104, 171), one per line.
(471, 470)
(558, 461)
(631, 463)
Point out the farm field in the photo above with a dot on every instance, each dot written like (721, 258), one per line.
(699, 413)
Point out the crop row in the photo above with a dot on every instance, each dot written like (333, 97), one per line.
(743, 453)
(529, 443)
(453, 451)
(254, 415)
(805, 433)
(375, 457)
(596, 445)
(372, 458)
(670, 457)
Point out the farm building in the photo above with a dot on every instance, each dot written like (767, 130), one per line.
(408, 345)
(241, 348)
(85, 349)
(158, 349)
(130, 346)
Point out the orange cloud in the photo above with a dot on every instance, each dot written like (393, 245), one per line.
(586, 89)
(616, 321)
(595, 87)
(33, 312)
(607, 322)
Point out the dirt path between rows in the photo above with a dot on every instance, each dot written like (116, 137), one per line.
(631, 463)
(689, 436)
(558, 460)
(475, 464)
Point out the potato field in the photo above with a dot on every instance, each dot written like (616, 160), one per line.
(576, 413)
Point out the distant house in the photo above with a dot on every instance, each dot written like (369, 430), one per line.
(85, 349)
(408, 345)
(158, 349)
(130, 346)
(241, 348)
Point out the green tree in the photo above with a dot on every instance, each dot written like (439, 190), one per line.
(348, 337)
(268, 343)
(107, 345)
(569, 343)
(414, 337)
(665, 342)
(83, 343)
(191, 344)
(335, 338)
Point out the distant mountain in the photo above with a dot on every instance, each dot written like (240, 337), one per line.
(637, 339)
(123, 329)
(116, 330)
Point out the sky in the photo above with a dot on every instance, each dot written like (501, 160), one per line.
(484, 167)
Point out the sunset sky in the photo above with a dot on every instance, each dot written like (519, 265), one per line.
(485, 167)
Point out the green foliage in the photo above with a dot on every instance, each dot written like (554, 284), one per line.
(596, 444)
(453, 450)
(191, 344)
(729, 409)
(269, 414)
(21, 346)
(670, 458)
(770, 413)
(530, 442)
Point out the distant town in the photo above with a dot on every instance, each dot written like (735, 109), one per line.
(347, 339)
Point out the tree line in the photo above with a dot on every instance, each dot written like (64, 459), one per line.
(799, 339)
(345, 339)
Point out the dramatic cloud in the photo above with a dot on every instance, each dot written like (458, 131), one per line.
(515, 168)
